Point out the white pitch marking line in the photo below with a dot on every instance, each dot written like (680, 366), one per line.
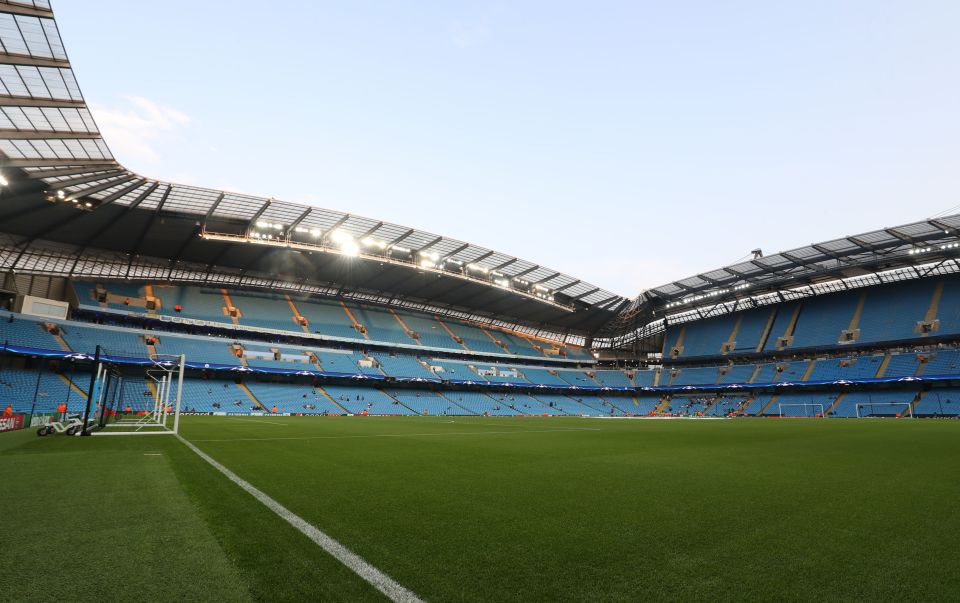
(257, 421)
(403, 435)
(375, 577)
(152, 454)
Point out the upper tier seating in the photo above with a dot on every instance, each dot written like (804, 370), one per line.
(327, 318)
(739, 373)
(893, 312)
(474, 338)
(823, 318)
(430, 331)
(298, 314)
(612, 379)
(835, 369)
(381, 325)
(264, 310)
(941, 362)
(402, 365)
(695, 375)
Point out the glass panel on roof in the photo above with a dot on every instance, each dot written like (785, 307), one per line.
(10, 150)
(53, 39)
(838, 245)
(747, 268)
(55, 119)
(87, 120)
(103, 148)
(18, 118)
(37, 119)
(238, 206)
(804, 252)
(76, 149)
(154, 198)
(55, 84)
(774, 261)
(190, 199)
(876, 237)
(10, 37)
(31, 78)
(34, 36)
(71, 82)
(92, 149)
(12, 81)
(26, 149)
(918, 230)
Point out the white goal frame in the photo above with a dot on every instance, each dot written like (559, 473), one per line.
(166, 374)
(909, 406)
(823, 413)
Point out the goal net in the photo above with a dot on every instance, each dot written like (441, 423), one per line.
(808, 409)
(129, 397)
(884, 409)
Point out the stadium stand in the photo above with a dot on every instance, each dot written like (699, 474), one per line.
(24, 332)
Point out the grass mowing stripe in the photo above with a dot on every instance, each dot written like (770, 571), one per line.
(403, 435)
(375, 577)
(256, 421)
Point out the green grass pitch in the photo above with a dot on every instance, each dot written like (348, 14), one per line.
(489, 509)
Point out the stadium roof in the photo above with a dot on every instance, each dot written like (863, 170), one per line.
(896, 253)
(66, 188)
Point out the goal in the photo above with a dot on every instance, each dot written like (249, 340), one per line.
(135, 398)
(868, 409)
(809, 409)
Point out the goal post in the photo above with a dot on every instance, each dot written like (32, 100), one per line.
(137, 398)
(869, 405)
(809, 409)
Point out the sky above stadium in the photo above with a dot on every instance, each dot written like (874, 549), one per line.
(625, 143)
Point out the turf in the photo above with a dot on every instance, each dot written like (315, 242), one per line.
(518, 509)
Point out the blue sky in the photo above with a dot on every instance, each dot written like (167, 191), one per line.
(626, 143)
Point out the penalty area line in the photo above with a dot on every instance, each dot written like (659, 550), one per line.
(373, 576)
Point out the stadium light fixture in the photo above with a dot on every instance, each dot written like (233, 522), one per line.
(371, 242)
(477, 268)
(346, 243)
(340, 236)
(350, 248)
(61, 195)
(3, 180)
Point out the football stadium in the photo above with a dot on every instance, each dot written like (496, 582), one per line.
(275, 401)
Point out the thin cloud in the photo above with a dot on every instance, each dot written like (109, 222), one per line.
(133, 129)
